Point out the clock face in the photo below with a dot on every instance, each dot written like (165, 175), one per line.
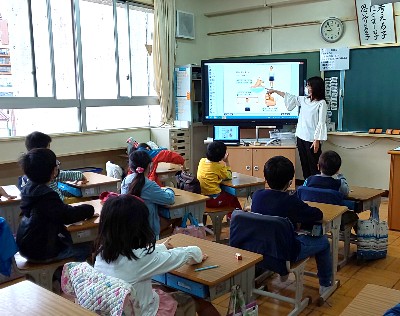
(332, 29)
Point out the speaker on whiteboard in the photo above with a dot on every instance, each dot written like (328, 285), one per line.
(184, 25)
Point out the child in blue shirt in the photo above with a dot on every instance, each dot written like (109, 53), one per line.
(329, 165)
(41, 140)
(137, 183)
(276, 201)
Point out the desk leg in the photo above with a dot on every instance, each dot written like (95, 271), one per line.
(216, 219)
(375, 204)
(334, 252)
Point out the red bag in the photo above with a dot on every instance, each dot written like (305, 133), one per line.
(104, 196)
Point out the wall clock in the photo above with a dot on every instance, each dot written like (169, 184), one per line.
(332, 29)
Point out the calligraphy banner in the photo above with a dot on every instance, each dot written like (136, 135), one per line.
(375, 23)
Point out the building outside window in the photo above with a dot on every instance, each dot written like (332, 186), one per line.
(75, 65)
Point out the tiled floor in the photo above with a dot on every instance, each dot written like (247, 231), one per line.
(353, 277)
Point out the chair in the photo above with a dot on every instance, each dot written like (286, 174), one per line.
(40, 273)
(274, 238)
(217, 215)
(96, 291)
(331, 197)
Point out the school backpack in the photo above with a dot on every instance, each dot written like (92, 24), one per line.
(188, 182)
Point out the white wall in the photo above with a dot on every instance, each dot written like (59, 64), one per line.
(281, 40)
(65, 144)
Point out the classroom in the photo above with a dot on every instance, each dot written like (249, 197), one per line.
(92, 97)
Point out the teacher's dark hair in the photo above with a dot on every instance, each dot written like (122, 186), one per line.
(124, 226)
(318, 88)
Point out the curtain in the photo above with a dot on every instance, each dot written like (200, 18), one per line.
(164, 51)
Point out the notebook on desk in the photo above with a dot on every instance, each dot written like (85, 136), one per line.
(229, 135)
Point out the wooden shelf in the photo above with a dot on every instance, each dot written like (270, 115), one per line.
(5, 65)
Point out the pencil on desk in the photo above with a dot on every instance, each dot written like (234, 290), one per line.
(206, 268)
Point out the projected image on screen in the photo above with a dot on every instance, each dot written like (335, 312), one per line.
(239, 90)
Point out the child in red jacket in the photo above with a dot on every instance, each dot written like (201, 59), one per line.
(159, 155)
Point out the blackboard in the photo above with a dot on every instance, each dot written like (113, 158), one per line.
(372, 89)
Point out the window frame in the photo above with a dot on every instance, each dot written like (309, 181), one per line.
(80, 102)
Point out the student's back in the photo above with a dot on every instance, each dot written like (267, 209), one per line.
(329, 164)
(41, 233)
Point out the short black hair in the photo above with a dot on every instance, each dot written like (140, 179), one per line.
(38, 164)
(329, 162)
(124, 226)
(143, 145)
(216, 151)
(37, 140)
(278, 171)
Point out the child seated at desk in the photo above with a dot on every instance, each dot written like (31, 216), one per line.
(137, 183)
(126, 248)
(41, 140)
(329, 164)
(6, 195)
(42, 235)
(211, 171)
(276, 201)
(157, 156)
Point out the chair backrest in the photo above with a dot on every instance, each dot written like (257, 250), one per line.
(96, 291)
(271, 236)
(8, 247)
(320, 195)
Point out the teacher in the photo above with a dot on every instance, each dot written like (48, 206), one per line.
(311, 127)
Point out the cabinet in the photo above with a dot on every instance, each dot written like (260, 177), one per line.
(394, 191)
(250, 160)
(175, 139)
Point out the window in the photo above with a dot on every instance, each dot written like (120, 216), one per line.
(86, 61)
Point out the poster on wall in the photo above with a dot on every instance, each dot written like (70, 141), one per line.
(376, 23)
(334, 58)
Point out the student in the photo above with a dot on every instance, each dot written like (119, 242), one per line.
(211, 171)
(137, 183)
(41, 140)
(276, 201)
(157, 156)
(126, 248)
(329, 165)
(42, 235)
(311, 127)
(6, 195)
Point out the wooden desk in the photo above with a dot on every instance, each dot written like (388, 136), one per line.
(372, 300)
(188, 202)
(166, 172)
(242, 185)
(88, 229)
(97, 183)
(9, 209)
(367, 198)
(29, 299)
(394, 191)
(331, 224)
(185, 202)
(213, 283)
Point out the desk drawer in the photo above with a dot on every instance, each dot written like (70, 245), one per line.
(185, 285)
(162, 278)
(86, 235)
